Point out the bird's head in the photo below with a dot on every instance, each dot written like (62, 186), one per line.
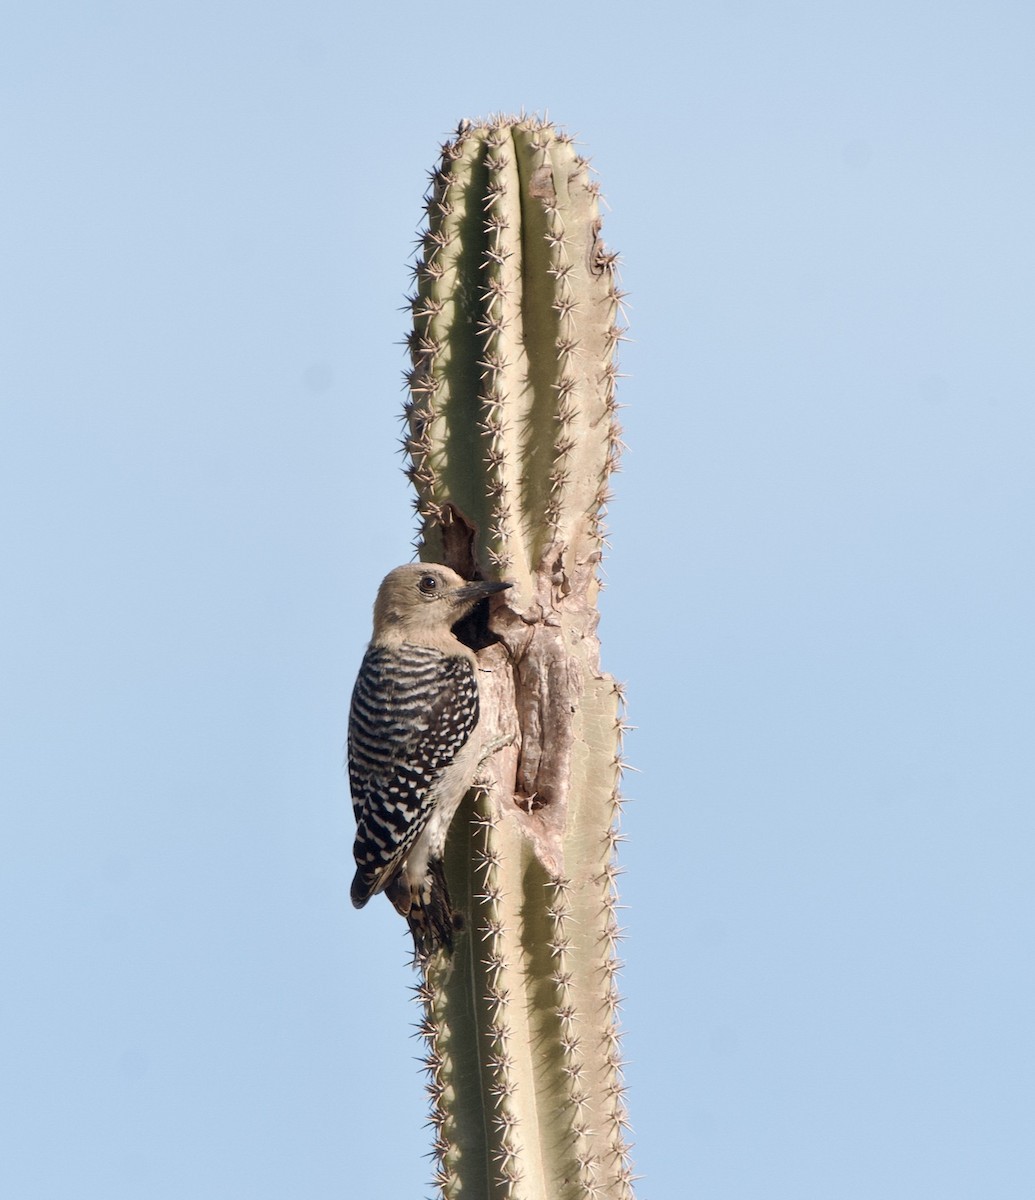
(425, 598)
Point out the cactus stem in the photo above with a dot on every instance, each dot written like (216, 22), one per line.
(511, 422)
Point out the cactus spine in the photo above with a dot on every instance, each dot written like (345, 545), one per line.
(511, 436)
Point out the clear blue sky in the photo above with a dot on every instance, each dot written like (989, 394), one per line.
(821, 584)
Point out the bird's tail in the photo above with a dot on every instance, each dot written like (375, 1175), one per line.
(428, 911)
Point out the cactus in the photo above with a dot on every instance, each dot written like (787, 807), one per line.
(511, 437)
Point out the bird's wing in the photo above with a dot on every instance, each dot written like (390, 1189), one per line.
(413, 709)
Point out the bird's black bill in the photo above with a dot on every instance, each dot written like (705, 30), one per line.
(479, 588)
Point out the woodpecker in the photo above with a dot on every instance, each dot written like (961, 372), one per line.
(415, 743)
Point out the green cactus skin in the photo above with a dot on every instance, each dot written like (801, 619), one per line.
(512, 436)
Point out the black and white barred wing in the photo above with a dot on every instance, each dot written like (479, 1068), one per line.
(413, 709)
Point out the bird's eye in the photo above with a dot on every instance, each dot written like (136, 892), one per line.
(428, 585)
